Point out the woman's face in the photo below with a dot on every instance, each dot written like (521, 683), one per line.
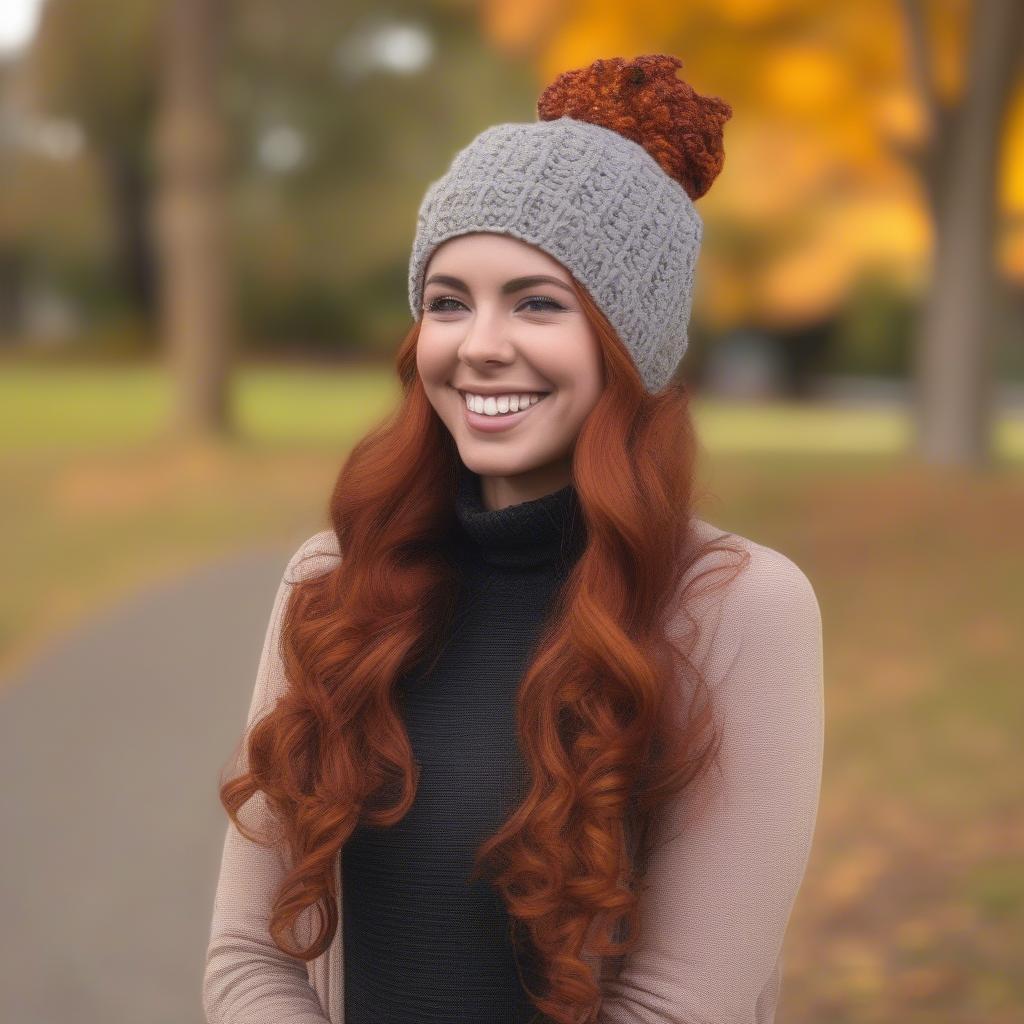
(491, 330)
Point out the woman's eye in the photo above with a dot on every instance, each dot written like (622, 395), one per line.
(434, 306)
(547, 303)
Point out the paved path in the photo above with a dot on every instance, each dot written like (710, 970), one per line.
(110, 751)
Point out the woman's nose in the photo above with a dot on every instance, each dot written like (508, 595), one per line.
(486, 338)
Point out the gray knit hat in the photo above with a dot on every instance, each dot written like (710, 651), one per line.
(620, 219)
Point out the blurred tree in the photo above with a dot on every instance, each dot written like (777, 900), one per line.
(959, 165)
(92, 63)
(191, 145)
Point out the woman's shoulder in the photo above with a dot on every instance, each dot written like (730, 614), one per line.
(761, 568)
(314, 556)
(752, 587)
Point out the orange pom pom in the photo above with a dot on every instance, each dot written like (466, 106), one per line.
(643, 100)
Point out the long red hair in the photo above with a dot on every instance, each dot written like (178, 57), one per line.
(614, 719)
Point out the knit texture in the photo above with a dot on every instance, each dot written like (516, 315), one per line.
(422, 943)
(597, 202)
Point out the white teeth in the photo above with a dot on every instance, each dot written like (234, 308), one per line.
(498, 405)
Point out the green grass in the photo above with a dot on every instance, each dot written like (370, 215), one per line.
(82, 408)
(912, 903)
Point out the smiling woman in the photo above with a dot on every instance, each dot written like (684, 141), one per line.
(518, 328)
(529, 739)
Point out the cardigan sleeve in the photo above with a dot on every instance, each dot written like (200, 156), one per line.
(247, 979)
(731, 852)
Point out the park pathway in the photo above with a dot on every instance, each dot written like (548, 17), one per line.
(111, 747)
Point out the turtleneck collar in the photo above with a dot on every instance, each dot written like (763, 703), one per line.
(544, 531)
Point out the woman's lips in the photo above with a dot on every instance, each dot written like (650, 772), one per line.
(494, 424)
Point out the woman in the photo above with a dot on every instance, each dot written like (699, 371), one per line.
(557, 740)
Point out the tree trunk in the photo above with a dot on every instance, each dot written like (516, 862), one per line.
(197, 323)
(954, 387)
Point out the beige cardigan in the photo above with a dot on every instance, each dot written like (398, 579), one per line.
(722, 888)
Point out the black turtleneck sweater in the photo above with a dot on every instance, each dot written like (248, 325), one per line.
(422, 944)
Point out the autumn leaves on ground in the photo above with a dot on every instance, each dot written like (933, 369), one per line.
(913, 903)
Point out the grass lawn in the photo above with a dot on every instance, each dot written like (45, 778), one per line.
(913, 905)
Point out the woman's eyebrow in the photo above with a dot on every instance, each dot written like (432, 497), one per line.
(515, 285)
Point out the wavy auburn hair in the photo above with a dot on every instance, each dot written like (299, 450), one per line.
(614, 719)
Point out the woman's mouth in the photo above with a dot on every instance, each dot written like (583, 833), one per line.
(496, 422)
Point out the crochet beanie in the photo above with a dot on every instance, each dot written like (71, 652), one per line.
(604, 181)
